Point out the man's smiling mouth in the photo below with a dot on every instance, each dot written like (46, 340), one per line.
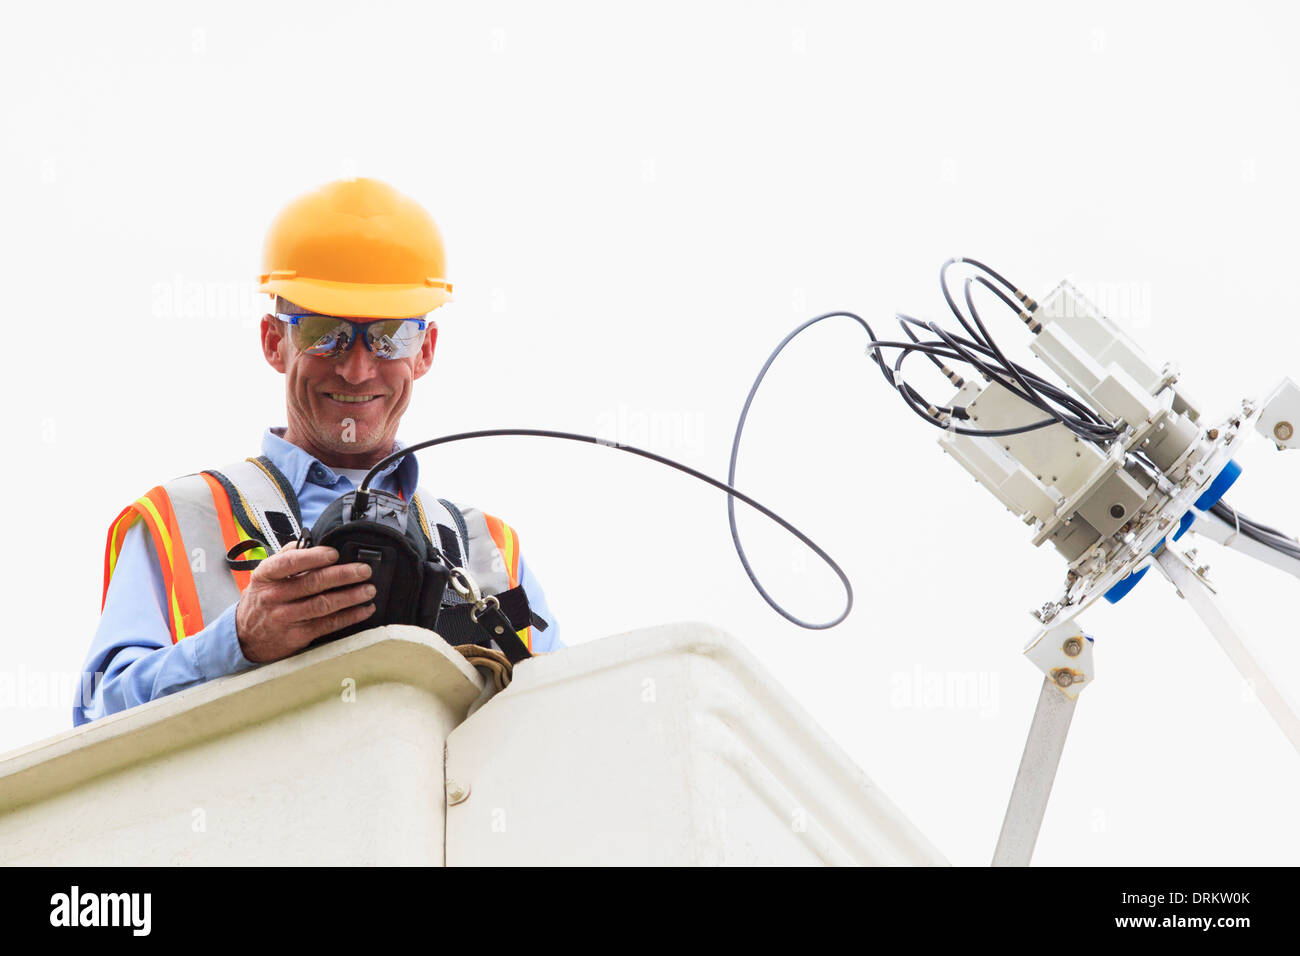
(351, 399)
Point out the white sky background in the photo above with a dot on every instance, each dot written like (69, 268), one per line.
(639, 203)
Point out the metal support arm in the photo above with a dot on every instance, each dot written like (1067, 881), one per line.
(1064, 654)
(1034, 780)
(1194, 588)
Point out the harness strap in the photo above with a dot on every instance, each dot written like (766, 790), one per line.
(451, 540)
(262, 500)
(456, 627)
(282, 484)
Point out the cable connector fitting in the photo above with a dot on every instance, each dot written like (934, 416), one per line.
(938, 414)
(953, 377)
(1034, 325)
(1028, 303)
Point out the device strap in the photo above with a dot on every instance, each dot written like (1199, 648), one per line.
(457, 625)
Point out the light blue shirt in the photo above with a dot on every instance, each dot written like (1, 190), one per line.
(132, 658)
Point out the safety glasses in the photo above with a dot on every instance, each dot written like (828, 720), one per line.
(330, 335)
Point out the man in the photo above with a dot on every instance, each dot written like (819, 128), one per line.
(355, 269)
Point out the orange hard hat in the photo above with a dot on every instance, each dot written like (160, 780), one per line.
(356, 248)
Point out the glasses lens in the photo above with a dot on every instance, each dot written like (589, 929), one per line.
(321, 335)
(394, 338)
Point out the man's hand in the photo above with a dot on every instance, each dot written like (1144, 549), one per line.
(290, 601)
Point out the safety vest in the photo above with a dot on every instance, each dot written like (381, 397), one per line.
(195, 519)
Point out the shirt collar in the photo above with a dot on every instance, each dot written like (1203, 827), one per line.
(300, 467)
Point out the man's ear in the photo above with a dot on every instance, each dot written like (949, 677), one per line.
(272, 341)
(424, 360)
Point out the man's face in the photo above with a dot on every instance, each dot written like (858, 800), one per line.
(340, 432)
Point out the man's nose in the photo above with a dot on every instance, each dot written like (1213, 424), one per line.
(357, 364)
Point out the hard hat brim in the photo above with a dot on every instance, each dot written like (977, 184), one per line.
(358, 301)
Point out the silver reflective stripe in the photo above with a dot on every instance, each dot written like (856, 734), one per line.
(200, 528)
(486, 563)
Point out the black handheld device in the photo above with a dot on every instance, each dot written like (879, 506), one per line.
(410, 579)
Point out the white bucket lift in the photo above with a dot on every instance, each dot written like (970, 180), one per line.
(663, 746)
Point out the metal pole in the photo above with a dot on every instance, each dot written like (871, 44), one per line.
(1197, 592)
(1033, 785)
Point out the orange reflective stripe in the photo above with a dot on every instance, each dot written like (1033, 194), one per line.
(507, 542)
(146, 509)
(186, 611)
(116, 534)
(183, 613)
(154, 515)
(230, 532)
(162, 545)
